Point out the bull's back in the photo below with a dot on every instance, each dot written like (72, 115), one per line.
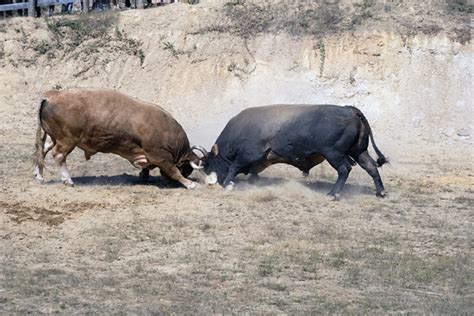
(286, 128)
(104, 120)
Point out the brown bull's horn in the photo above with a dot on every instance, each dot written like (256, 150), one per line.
(200, 149)
(197, 167)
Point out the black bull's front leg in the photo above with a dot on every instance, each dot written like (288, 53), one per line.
(228, 183)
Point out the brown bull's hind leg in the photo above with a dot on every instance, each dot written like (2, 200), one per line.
(47, 144)
(39, 155)
(144, 175)
(60, 152)
(140, 161)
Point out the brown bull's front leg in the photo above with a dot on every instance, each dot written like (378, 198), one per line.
(173, 172)
(164, 161)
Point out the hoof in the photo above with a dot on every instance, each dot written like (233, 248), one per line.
(192, 186)
(68, 183)
(334, 196)
(230, 186)
(381, 194)
(40, 180)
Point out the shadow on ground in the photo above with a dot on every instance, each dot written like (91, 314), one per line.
(122, 180)
(241, 184)
(317, 186)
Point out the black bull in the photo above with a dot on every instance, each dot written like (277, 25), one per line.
(300, 135)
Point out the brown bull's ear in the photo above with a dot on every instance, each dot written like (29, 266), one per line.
(215, 150)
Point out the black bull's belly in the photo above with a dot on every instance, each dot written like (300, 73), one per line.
(299, 135)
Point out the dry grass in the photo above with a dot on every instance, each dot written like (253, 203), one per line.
(248, 18)
(92, 39)
(140, 249)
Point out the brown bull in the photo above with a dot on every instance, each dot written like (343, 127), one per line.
(111, 122)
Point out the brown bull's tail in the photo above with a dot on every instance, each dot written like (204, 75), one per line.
(381, 160)
(38, 156)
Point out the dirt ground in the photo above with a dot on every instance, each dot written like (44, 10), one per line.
(112, 244)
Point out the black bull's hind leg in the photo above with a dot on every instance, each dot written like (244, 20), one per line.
(369, 165)
(343, 168)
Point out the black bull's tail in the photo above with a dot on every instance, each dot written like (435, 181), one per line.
(38, 156)
(381, 158)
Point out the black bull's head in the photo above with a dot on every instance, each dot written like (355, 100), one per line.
(213, 165)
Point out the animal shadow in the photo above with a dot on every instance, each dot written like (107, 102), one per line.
(320, 186)
(125, 180)
(348, 189)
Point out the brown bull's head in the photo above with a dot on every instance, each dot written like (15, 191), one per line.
(197, 157)
(193, 160)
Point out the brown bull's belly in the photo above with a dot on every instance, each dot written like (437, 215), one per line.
(134, 154)
(88, 151)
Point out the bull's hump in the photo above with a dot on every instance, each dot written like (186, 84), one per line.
(103, 98)
(303, 107)
(279, 117)
(283, 112)
(289, 108)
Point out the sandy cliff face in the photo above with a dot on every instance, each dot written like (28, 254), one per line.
(415, 89)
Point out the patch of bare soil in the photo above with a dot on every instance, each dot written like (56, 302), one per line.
(19, 213)
(112, 244)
